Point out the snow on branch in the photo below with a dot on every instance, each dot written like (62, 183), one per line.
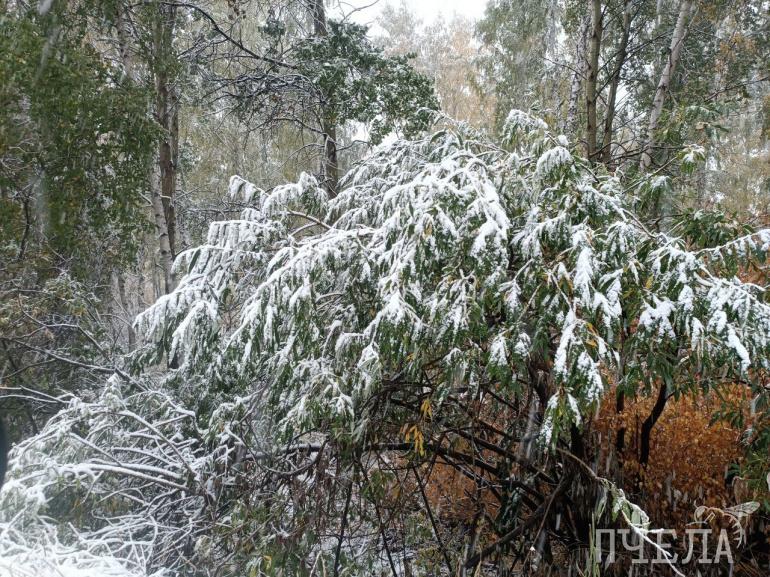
(446, 264)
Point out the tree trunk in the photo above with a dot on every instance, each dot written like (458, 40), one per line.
(620, 60)
(124, 42)
(649, 423)
(166, 113)
(145, 291)
(593, 74)
(126, 309)
(578, 77)
(318, 13)
(620, 441)
(164, 246)
(328, 169)
(677, 41)
(658, 13)
(169, 157)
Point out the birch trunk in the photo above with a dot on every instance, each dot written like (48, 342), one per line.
(164, 246)
(578, 77)
(124, 34)
(166, 113)
(609, 118)
(126, 309)
(677, 41)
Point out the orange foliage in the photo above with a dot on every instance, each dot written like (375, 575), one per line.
(454, 497)
(689, 456)
(689, 460)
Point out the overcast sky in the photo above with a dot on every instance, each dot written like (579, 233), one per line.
(426, 10)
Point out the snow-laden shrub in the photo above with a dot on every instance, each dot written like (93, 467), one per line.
(312, 332)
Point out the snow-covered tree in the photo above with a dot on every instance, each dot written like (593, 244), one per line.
(458, 306)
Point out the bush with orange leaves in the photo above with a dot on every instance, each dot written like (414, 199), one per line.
(691, 456)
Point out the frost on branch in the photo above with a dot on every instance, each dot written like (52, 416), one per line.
(448, 268)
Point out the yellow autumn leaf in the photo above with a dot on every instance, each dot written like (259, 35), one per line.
(425, 409)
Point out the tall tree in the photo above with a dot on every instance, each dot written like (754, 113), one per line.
(164, 64)
(447, 52)
(74, 148)
(677, 42)
(614, 81)
(520, 50)
(329, 168)
(593, 76)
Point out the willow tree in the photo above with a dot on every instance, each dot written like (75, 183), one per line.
(460, 307)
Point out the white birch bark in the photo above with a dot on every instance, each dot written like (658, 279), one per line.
(620, 60)
(578, 77)
(677, 41)
(161, 229)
